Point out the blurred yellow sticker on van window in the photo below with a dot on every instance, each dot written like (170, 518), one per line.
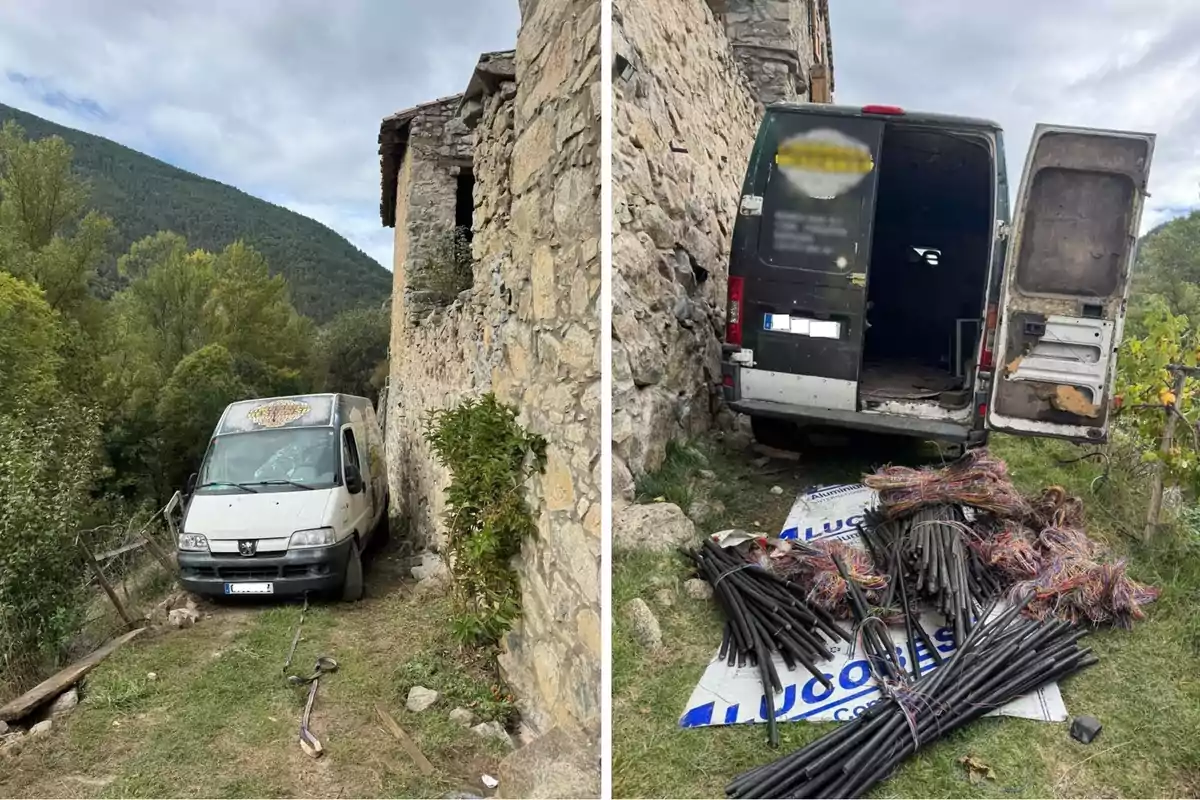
(820, 157)
(824, 163)
(278, 413)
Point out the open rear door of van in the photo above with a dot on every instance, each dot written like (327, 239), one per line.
(1066, 281)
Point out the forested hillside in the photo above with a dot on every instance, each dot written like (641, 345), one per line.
(325, 273)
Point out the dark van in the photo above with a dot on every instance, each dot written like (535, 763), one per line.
(875, 282)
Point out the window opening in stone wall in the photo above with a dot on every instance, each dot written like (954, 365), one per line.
(464, 203)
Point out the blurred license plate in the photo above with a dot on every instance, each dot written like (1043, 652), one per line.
(249, 588)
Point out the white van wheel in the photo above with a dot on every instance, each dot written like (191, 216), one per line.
(352, 584)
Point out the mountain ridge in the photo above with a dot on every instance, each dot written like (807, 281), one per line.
(142, 194)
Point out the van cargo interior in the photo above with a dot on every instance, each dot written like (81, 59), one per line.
(928, 267)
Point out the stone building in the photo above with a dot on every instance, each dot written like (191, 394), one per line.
(494, 197)
(689, 81)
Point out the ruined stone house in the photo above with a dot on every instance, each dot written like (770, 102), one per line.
(494, 198)
(690, 78)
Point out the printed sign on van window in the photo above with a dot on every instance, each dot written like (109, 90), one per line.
(824, 163)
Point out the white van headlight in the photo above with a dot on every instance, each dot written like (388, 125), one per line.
(193, 541)
(316, 537)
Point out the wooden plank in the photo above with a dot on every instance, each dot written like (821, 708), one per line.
(57, 684)
(129, 548)
(99, 573)
(406, 742)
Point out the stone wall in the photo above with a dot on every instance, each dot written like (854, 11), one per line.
(684, 119)
(689, 80)
(527, 330)
(774, 45)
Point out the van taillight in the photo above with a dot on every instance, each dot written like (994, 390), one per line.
(888, 110)
(989, 338)
(733, 316)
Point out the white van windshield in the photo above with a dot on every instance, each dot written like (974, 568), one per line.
(271, 460)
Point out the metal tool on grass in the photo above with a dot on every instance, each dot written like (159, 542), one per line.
(296, 636)
(309, 743)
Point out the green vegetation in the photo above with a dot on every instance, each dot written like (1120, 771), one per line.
(142, 196)
(106, 402)
(206, 711)
(490, 458)
(1143, 690)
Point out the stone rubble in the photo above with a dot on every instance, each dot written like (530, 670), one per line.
(431, 566)
(698, 589)
(463, 716)
(64, 703)
(420, 699)
(492, 730)
(646, 631)
(652, 527)
(183, 617)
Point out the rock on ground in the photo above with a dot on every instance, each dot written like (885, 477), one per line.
(646, 630)
(561, 763)
(183, 617)
(420, 698)
(492, 730)
(65, 702)
(463, 716)
(41, 728)
(703, 508)
(776, 490)
(3, 727)
(698, 589)
(430, 566)
(665, 597)
(657, 528)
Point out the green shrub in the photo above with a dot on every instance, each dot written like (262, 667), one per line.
(490, 457)
(48, 464)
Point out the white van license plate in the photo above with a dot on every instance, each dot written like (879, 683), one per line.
(249, 588)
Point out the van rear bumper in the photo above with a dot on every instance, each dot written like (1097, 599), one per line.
(893, 424)
(316, 570)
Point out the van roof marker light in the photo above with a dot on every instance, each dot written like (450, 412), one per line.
(893, 111)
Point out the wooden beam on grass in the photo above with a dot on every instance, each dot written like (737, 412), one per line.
(56, 684)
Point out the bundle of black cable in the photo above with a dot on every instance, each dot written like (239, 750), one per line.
(999, 661)
(765, 614)
(932, 544)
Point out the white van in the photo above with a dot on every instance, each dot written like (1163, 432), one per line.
(290, 491)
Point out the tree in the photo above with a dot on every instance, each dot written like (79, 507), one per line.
(38, 194)
(249, 311)
(30, 337)
(351, 349)
(199, 389)
(165, 304)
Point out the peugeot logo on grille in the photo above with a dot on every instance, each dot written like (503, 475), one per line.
(247, 547)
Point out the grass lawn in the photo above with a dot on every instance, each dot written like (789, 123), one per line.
(220, 720)
(1145, 690)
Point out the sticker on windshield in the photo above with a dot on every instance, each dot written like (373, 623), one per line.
(278, 413)
(824, 163)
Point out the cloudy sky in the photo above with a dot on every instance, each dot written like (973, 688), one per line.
(282, 98)
(1127, 64)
